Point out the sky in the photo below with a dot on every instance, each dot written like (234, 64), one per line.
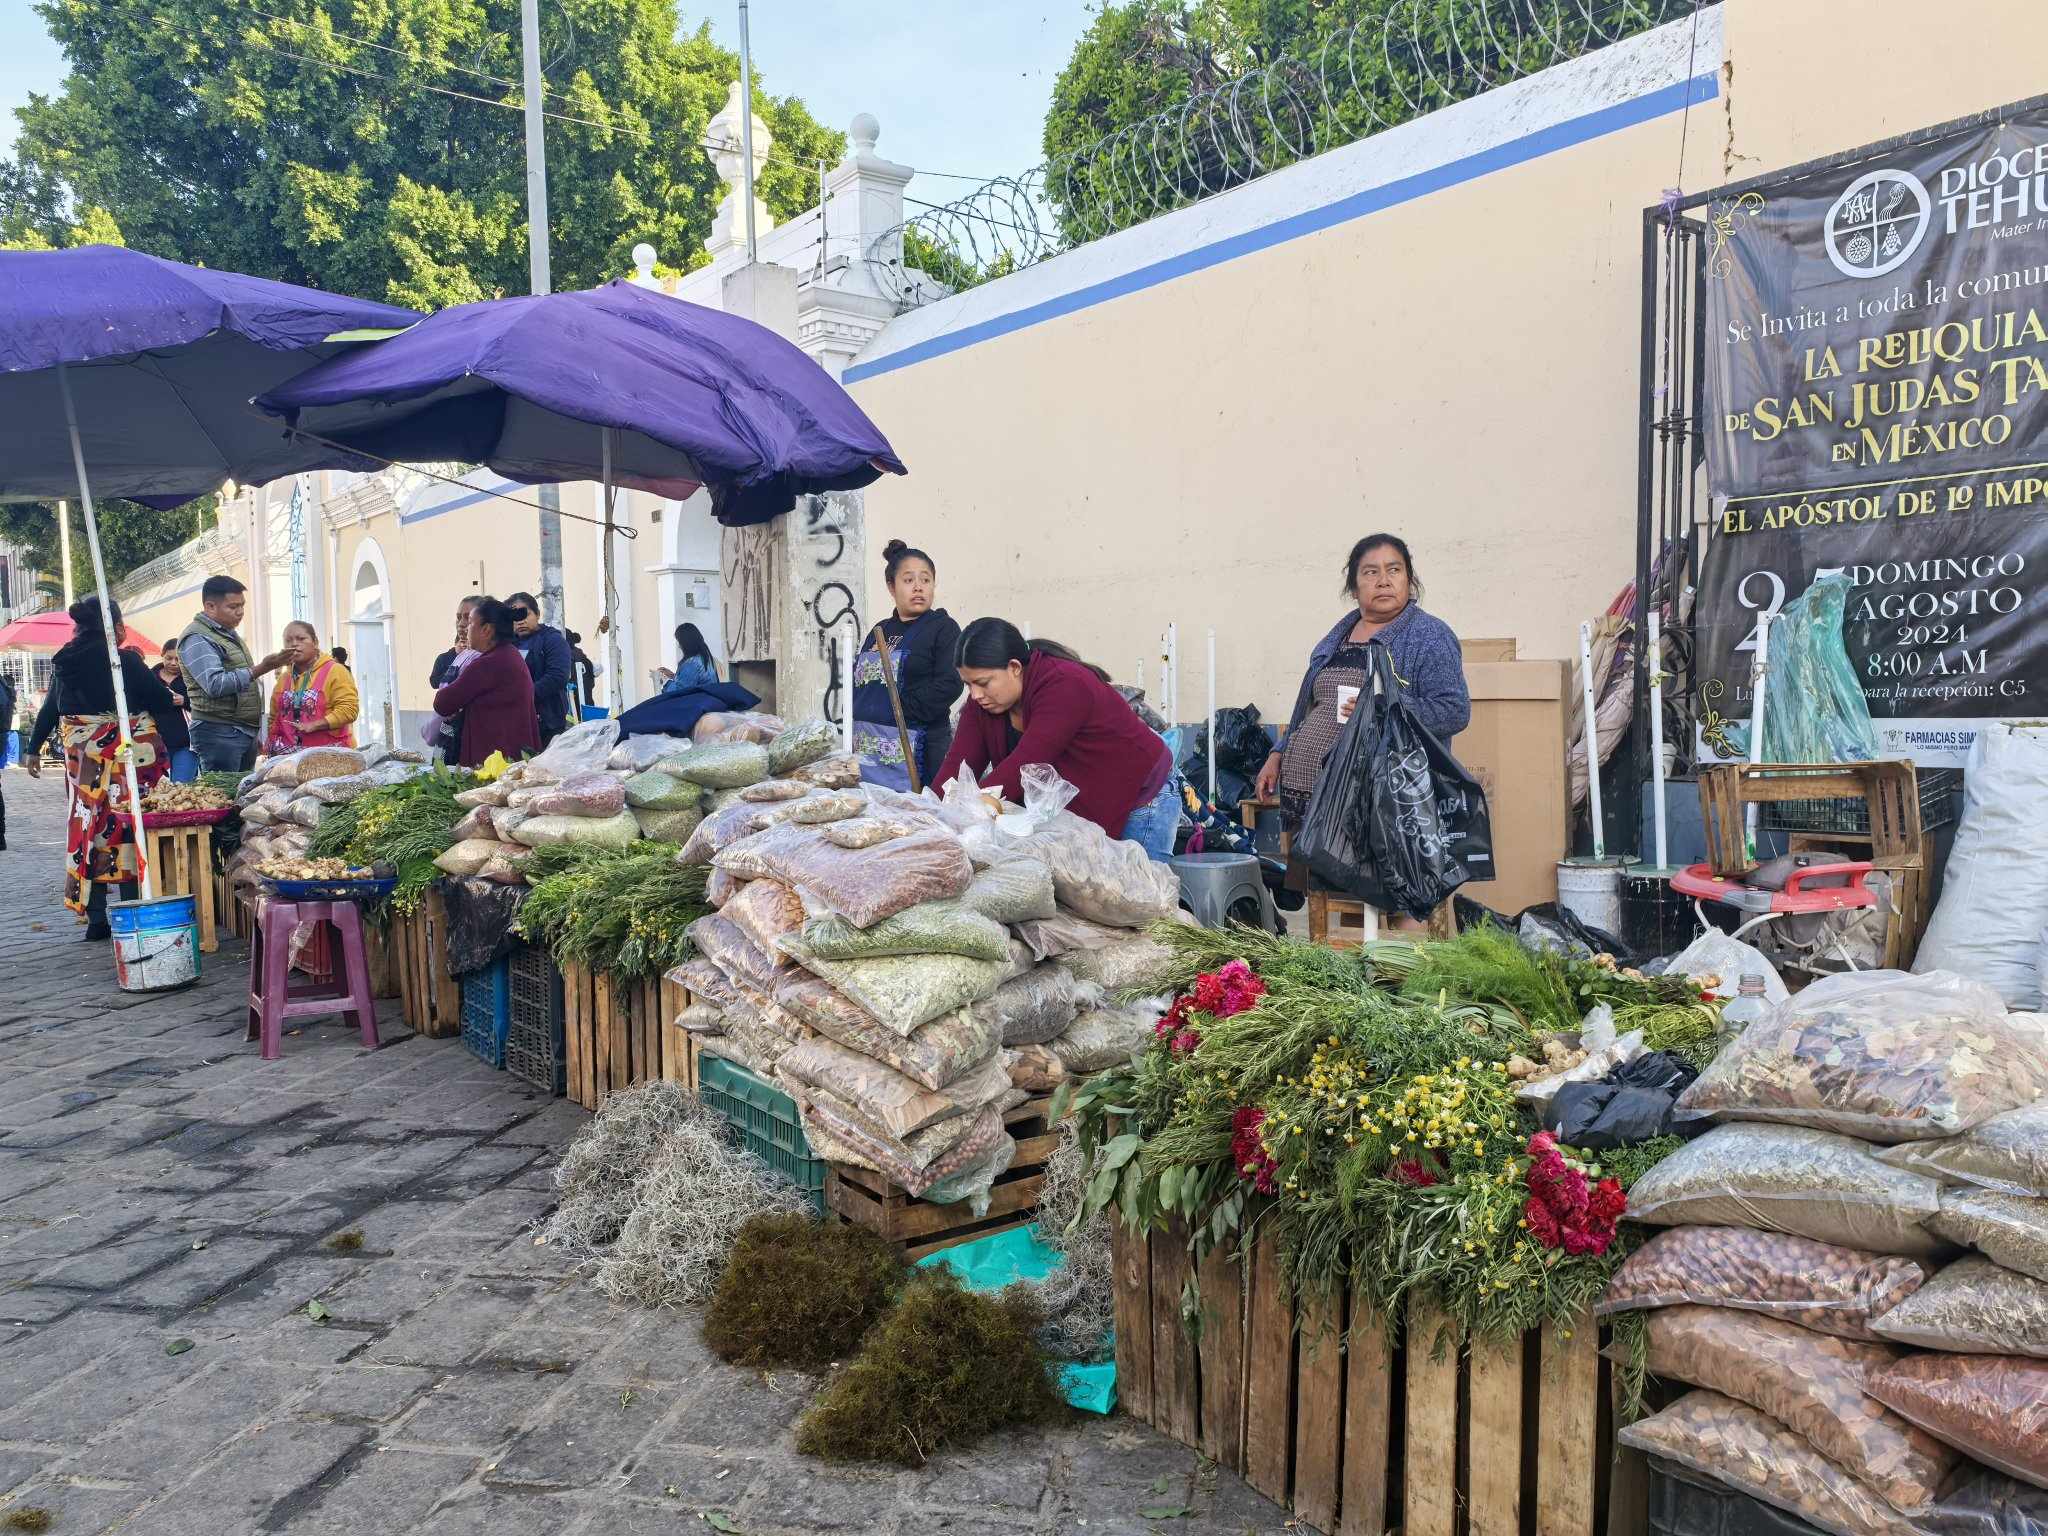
(959, 86)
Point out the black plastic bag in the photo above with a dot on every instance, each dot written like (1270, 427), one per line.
(1632, 1103)
(1241, 746)
(480, 914)
(1548, 926)
(1395, 821)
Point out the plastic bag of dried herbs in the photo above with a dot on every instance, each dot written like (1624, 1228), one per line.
(1809, 1382)
(808, 741)
(722, 765)
(930, 928)
(1973, 1307)
(903, 991)
(1816, 1285)
(2011, 1230)
(1032, 1008)
(882, 1096)
(934, 1054)
(2008, 1153)
(1786, 1178)
(1881, 1055)
(1754, 1454)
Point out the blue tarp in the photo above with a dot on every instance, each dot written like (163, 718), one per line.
(992, 1262)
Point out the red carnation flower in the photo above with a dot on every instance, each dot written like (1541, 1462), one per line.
(1543, 1226)
(1411, 1172)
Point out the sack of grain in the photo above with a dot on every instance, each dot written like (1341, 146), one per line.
(668, 826)
(764, 910)
(933, 928)
(1102, 1039)
(1035, 1007)
(655, 789)
(1013, 891)
(829, 773)
(916, 1164)
(295, 768)
(726, 946)
(808, 741)
(883, 1096)
(727, 765)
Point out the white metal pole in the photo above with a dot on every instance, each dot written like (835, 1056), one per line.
(1212, 716)
(538, 272)
(614, 655)
(1592, 740)
(99, 577)
(64, 549)
(747, 130)
(1759, 674)
(1657, 733)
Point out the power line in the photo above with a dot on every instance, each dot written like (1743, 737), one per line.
(416, 58)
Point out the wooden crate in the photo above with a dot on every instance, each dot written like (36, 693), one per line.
(181, 864)
(613, 1032)
(1308, 1401)
(678, 1061)
(1344, 923)
(419, 945)
(917, 1227)
(382, 956)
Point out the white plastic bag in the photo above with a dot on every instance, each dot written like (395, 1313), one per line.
(1995, 896)
(1604, 1052)
(582, 748)
(1727, 960)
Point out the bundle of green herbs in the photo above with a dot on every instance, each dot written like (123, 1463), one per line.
(1359, 1107)
(622, 911)
(401, 827)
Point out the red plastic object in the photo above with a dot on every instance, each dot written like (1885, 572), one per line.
(1701, 882)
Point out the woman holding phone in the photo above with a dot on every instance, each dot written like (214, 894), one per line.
(1380, 579)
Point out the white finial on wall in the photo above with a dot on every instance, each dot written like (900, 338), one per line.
(864, 130)
(722, 147)
(643, 266)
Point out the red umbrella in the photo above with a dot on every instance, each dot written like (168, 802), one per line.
(47, 631)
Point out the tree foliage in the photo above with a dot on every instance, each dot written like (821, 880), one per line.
(130, 535)
(374, 147)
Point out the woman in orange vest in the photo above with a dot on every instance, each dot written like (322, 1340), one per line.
(314, 703)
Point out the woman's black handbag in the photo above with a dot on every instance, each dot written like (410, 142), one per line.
(1395, 821)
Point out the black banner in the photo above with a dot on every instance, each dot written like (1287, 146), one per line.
(1878, 404)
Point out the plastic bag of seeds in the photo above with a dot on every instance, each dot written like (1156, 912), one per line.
(1993, 1407)
(934, 1054)
(808, 741)
(1752, 1453)
(1786, 1178)
(770, 790)
(636, 754)
(884, 1097)
(918, 1163)
(829, 773)
(1973, 1307)
(764, 910)
(668, 826)
(1134, 963)
(723, 765)
(903, 991)
(821, 808)
(1816, 1285)
(1035, 1007)
(727, 946)
(1104, 1038)
(1881, 1055)
(656, 789)
(2011, 1230)
(1809, 1382)
(863, 885)
(719, 887)
(615, 831)
(1064, 934)
(2008, 1152)
(932, 928)
(972, 1185)
(702, 1019)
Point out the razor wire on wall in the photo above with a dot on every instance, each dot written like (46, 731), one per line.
(1408, 58)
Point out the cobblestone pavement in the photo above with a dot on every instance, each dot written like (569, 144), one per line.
(170, 1203)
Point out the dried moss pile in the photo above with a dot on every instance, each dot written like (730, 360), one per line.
(799, 1293)
(944, 1368)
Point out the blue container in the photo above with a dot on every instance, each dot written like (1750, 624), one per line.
(596, 712)
(156, 943)
(12, 750)
(487, 1012)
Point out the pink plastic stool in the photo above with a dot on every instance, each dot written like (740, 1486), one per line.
(272, 996)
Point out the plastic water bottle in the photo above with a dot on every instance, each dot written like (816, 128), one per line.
(1749, 1005)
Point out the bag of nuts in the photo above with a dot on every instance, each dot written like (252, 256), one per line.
(1795, 1279)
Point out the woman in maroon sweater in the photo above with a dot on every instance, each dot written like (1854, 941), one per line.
(1033, 702)
(493, 695)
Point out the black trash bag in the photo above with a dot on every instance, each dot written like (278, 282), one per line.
(1548, 926)
(1395, 821)
(1241, 747)
(1633, 1103)
(480, 914)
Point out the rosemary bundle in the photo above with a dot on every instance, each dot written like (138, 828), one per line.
(624, 912)
(400, 827)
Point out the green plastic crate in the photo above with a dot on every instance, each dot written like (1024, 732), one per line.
(767, 1121)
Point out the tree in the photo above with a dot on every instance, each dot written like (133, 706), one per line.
(131, 535)
(1336, 70)
(373, 147)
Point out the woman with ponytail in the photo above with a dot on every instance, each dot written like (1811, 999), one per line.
(1037, 702)
(921, 638)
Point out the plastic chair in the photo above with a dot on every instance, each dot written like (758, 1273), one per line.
(273, 997)
(1214, 886)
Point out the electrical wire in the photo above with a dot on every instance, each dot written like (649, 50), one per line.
(416, 58)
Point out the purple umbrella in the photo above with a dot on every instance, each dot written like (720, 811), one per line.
(142, 369)
(685, 397)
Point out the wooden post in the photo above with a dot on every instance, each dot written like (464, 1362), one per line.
(1175, 1391)
(1269, 1374)
(1368, 1422)
(1133, 1316)
(1494, 1438)
(1567, 1422)
(1222, 1359)
(1319, 1410)
(1430, 1473)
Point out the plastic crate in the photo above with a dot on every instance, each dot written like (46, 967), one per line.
(1684, 1503)
(534, 1049)
(487, 1012)
(767, 1122)
(1941, 802)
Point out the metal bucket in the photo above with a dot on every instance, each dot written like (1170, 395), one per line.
(156, 943)
(1590, 889)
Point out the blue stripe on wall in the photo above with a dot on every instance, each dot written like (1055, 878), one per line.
(490, 494)
(1545, 141)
